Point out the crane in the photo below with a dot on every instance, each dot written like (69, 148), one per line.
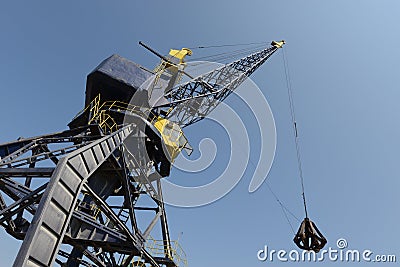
(75, 197)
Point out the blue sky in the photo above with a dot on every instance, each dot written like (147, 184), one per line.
(344, 66)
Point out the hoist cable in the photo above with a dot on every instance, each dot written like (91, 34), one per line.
(229, 54)
(293, 117)
(224, 45)
(285, 210)
(225, 55)
(281, 204)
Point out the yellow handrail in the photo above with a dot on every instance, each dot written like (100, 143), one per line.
(158, 248)
(172, 134)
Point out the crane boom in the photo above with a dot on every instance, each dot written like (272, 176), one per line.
(195, 99)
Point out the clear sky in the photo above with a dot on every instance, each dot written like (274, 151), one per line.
(344, 66)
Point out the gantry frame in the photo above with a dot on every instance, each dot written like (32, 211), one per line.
(60, 205)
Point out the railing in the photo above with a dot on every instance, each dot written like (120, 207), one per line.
(119, 106)
(158, 248)
(171, 132)
(93, 107)
(91, 209)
